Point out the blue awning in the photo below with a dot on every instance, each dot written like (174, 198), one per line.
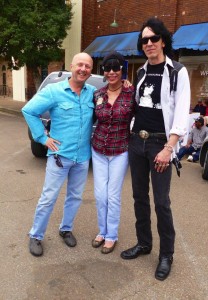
(124, 43)
(193, 36)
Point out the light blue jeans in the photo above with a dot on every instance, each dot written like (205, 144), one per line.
(109, 173)
(76, 175)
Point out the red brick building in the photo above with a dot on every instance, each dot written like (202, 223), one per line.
(129, 16)
(97, 15)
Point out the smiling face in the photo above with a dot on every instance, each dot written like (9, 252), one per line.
(152, 49)
(81, 68)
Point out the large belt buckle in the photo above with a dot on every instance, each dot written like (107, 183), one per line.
(143, 134)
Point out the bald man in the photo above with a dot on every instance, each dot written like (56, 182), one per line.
(70, 103)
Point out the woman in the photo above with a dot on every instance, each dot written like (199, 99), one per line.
(114, 110)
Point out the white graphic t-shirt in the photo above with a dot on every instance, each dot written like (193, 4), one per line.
(148, 115)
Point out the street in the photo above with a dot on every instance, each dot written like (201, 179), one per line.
(83, 272)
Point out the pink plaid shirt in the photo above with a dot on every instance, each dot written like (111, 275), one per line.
(111, 135)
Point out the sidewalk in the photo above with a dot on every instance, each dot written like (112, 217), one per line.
(7, 104)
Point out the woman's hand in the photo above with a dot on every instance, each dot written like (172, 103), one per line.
(126, 83)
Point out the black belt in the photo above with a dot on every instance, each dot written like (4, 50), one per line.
(143, 134)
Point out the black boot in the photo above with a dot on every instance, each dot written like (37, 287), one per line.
(135, 251)
(163, 268)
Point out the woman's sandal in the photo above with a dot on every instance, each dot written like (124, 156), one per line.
(97, 244)
(106, 250)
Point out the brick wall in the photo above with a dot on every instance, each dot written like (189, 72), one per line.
(97, 16)
(191, 11)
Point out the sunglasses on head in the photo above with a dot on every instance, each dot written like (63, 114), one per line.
(153, 39)
(114, 68)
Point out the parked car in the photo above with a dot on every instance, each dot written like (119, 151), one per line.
(98, 81)
(203, 159)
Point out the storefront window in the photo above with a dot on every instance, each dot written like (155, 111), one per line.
(198, 72)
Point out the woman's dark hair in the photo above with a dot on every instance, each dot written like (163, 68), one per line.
(158, 28)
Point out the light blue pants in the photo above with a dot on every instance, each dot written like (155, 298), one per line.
(109, 173)
(76, 175)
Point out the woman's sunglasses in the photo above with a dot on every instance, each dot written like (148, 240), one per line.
(153, 39)
(114, 68)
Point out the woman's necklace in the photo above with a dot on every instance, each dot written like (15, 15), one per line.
(115, 89)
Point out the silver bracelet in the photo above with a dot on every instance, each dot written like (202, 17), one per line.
(169, 147)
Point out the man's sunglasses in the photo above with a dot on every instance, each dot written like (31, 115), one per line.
(58, 161)
(115, 68)
(153, 39)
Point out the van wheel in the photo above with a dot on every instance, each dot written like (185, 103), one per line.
(38, 150)
(205, 168)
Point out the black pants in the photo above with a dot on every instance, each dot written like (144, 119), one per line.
(141, 157)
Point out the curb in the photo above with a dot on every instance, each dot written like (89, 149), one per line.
(11, 111)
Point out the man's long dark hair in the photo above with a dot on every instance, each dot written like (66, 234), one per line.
(158, 28)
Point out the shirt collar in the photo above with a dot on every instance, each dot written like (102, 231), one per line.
(168, 61)
(66, 84)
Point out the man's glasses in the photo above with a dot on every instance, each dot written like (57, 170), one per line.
(153, 39)
(114, 68)
(58, 161)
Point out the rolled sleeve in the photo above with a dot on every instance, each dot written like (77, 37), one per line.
(32, 111)
(182, 104)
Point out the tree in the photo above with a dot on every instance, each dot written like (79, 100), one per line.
(32, 32)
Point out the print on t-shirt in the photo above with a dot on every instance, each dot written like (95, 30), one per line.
(148, 112)
(146, 99)
(149, 93)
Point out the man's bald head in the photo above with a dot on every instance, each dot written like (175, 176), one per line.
(82, 57)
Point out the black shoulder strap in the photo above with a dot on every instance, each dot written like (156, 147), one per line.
(173, 74)
(139, 74)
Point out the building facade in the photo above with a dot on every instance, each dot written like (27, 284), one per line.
(5, 79)
(115, 24)
(105, 19)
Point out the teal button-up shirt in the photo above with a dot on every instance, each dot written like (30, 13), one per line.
(71, 118)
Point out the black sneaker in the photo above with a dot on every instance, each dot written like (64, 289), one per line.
(68, 238)
(35, 247)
